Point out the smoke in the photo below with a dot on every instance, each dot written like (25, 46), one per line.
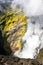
(30, 7)
(5, 5)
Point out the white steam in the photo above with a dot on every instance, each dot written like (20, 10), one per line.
(30, 7)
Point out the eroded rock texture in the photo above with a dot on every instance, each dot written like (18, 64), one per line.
(8, 60)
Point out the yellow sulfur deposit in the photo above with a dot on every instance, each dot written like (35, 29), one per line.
(14, 28)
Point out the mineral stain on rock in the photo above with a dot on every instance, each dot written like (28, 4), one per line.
(13, 29)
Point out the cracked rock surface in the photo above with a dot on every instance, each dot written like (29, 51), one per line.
(8, 60)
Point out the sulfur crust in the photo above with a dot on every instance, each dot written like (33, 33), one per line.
(14, 20)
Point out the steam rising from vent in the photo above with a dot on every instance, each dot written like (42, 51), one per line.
(30, 7)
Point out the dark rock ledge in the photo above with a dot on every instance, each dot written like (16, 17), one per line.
(8, 60)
